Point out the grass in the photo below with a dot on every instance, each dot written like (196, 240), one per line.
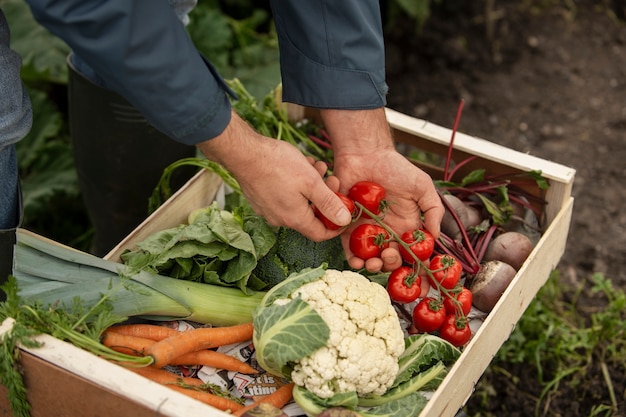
(574, 342)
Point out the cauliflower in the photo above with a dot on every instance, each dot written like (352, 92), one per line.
(330, 332)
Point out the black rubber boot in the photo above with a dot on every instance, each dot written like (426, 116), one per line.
(119, 158)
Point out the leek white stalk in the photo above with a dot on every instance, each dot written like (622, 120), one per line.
(51, 273)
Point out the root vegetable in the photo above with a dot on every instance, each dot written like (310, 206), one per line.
(510, 247)
(524, 221)
(489, 284)
(469, 216)
(448, 224)
(474, 217)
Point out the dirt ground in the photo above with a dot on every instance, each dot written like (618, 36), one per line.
(543, 77)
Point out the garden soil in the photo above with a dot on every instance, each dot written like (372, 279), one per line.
(548, 80)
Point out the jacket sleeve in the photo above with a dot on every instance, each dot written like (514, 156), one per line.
(141, 49)
(332, 53)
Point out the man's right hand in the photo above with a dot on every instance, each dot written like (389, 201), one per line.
(278, 181)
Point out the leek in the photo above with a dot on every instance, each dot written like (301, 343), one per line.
(51, 274)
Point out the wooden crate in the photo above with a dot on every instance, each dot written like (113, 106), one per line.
(63, 380)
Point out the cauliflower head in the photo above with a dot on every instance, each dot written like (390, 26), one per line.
(356, 344)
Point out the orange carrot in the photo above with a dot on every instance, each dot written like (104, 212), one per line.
(130, 345)
(137, 346)
(215, 359)
(165, 377)
(145, 330)
(164, 351)
(216, 401)
(278, 399)
(173, 381)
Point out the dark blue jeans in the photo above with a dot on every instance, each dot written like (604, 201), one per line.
(15, 123)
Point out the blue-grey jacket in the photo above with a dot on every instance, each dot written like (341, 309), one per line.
(331, 52)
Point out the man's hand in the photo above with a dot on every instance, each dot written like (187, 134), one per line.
(277, 179)
(364, 150)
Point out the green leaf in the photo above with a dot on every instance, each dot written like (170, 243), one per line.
(409, 405)
(473, 177)
(542, 183)
(313, 405)
(223, 253)
(43, 54)
(284, 333)
(421, 352)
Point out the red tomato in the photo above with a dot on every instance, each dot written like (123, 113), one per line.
(464, 296)
(346, 201)
(428, 315)
(446, 270)
(455, 330)
(421, 243)
(368, 240)
(404, 285)
(370, 194)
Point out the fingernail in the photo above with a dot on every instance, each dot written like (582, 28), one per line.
(343, 217)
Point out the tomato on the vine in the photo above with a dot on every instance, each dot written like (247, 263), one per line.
(404, 285)
(455, 330)
(347, 201)
(368, 240)
(369, 194)
(428, 315)
(421, 243)
(446, 270)
(464, 297)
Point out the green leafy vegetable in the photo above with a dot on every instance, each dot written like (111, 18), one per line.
(216, 247)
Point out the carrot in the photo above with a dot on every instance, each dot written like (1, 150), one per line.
(145, 330)
(165, 377)
(164, 351)
(174, 382)
(278, 399)
(137, 346)
(215, 359)
(216, 401)
(130, 345)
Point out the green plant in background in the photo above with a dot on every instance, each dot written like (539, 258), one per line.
(419, 10)
(238, 37)
(567, 346)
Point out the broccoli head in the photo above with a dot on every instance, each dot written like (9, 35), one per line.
(293, 252)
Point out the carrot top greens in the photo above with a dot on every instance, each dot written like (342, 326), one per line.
(75, 323)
